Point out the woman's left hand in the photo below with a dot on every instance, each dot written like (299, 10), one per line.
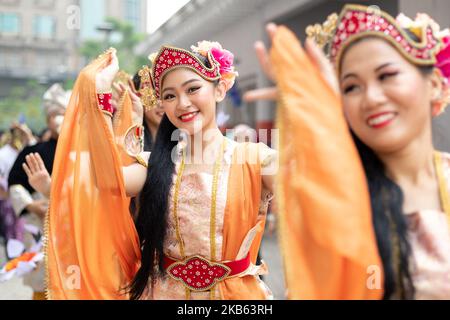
(324, 65)
(313, 51)
(138, 108)
(38, 176)
(104, 79)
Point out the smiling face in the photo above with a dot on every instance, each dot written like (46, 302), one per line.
(190, 101)
(386, 99)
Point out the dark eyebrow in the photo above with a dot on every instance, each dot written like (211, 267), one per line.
(376, 70)
(348, 75)
(383, 66)
(184, 84)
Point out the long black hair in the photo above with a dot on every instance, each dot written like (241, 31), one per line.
(152, 220)
(390, 224)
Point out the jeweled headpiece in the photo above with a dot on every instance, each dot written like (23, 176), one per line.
(145, 89)
(219, 59)
(431, 48)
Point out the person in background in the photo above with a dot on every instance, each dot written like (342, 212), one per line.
(25, 200)
(18, 137)
(152, 117)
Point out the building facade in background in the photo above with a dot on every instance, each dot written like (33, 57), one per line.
(94, 12)
(35, 42)
(40, 39)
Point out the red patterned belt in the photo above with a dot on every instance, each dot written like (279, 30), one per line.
(200, 274)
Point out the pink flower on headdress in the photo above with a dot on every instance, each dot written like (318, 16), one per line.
(443, 58)
(203, 47)
(223, 57)
(443, 64)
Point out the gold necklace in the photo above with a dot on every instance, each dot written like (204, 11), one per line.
(216, 171)
(443, 188)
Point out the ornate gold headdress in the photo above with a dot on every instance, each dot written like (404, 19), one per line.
(356, 21)
(146, 93)
(323, 33)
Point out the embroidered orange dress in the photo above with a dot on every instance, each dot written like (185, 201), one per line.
(194, 207)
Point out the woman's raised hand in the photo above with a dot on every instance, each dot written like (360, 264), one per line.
(38, 176)
(104, 79)
(324, 65)
(313, 51)
(138, 109)
(262, 54)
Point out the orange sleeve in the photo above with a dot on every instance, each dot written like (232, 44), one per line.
(326, 230)
(92, 247)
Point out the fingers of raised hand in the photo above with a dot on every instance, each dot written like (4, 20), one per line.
(27, 170)
(34, 163)
(321, 61)
(263, 58)
(39, 161)
(270, 94)
(271, 29)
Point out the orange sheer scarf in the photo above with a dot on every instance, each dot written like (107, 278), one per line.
(122, 123)
(325, 228)
(92, 245)
(241, 215)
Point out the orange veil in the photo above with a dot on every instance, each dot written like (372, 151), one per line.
(326, 230)
(92, 247)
